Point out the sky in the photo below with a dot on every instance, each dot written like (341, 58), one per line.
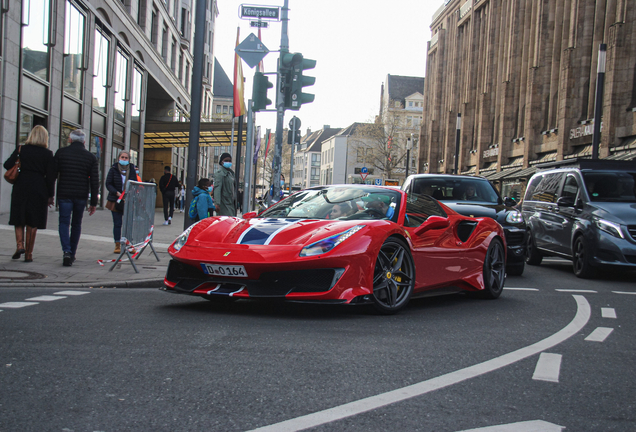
(355, 43)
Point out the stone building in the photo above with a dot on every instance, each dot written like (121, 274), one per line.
(523, 75)
(113, 68)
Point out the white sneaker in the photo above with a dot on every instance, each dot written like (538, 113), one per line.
(166, 223)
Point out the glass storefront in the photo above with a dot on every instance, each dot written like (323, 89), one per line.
(121, 86)
(35, 37)
(100, 71)
(74, 51)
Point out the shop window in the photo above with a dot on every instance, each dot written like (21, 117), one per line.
(100, 71)
(35, 38)
(121, 86)
(74, 36)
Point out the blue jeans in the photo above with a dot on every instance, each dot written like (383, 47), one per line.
(117, 222)
(68, 207)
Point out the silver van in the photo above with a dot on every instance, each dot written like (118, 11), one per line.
(586, 213)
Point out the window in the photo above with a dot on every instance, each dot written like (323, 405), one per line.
(187, 83)
(360, 156)
(544, 187)
(184, 21)
(218, 109)
(137, 85)
(74, 30)
(409, 121)
(173, 56)
(419, 208)
(35, 38)
(225, 109)
(180, 74)
(121, 86)
(164, 44)
(141, 14)
(410, 103)
(397, 104)
(100, 71)
(570, 188)
(154, 28)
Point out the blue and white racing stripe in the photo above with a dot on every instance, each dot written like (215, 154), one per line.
(263, 232)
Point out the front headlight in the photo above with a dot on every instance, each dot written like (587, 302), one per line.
(611, 228)
(325, 245)
(183, 238)
(514, 217)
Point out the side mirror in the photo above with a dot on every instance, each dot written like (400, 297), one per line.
(249, 215)
(432, 223)
(510, 202)
(565, 202)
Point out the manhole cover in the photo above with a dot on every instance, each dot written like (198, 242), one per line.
(19, 275)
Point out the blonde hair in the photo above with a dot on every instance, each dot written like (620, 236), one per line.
(39, 136)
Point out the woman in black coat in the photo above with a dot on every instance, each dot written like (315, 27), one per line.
(33, 191)
(119, 173)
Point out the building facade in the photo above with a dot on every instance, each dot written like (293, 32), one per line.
(523, 76)
(109, 67)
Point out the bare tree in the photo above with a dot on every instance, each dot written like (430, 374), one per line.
(381, 144)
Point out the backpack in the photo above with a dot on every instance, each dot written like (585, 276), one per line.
(193, 213)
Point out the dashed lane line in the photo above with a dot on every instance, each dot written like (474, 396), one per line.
(521, 289)
(46, 298)
(624, 292)
(599, 334)
(548, 368)
(17, 305)
(71, 293)
(577, 291)
(579, 321)
(608, 313)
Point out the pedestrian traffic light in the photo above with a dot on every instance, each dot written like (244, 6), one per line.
(293, 137)
(259, 91)
(293, 66)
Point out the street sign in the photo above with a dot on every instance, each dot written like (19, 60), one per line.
(364, 172)
(294, 120)
(251, 50)
(262, 24)
(378, 182)
(271, 13)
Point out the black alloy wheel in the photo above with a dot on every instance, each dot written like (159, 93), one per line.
(581, 260)
(533, 255)
(494, 270)
(393, 277)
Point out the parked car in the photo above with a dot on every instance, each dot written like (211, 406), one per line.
(585, 213)
(382, 250)
(477, 197)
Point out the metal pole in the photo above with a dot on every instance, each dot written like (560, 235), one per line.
(291, 162)
(249, 152)
(195, 112)
(457, 138)
(598, 105)
(280, 105)
(409, 143)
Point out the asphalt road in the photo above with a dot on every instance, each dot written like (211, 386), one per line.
(145, 360)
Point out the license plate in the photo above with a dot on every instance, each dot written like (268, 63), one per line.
(224, 270)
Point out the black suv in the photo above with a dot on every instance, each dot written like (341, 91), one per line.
(477, 197)
(585, 212)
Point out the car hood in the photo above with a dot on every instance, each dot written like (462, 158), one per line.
(623, 213)
(268, 231)
(494, 211)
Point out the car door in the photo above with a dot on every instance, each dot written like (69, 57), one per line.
(566, 214)
(545, 221)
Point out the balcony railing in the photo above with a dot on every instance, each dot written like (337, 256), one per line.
(465, 8)
(433, 41)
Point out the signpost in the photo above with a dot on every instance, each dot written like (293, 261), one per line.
(364, 172)
(251, 50)
(271, 13)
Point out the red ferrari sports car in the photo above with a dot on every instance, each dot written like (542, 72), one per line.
(350, 244)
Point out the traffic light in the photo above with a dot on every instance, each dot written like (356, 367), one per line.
(259, 91)
(293, 137)
(293, 66)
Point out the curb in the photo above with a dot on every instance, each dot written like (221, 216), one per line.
(140, 283)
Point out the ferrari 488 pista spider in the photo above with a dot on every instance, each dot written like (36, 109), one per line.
(350, 244)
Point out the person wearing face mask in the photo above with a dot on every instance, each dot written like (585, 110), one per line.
(204, 203)
(118, 175)
(225, 187)
(281, 193)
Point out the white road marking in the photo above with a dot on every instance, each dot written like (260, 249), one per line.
(71, 293)
(521, 289)
(548, 367)
(16, 305)
(579, 321)
(598, 335)
(576, 291)
(527, 426)
(45, 298)
(608, 312)
(624, 292)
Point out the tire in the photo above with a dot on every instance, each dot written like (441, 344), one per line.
(581, 263)
(533, 255)
(515, 269)
(494, 270)
(393, 277)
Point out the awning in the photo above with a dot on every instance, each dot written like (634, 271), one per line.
(515, 162)
(503, 173)
(547, 157)
(581, 151)
(625, 156)
(471, 170)
(524, 173)
(177, 134)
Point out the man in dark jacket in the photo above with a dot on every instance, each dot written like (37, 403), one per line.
(167, 185)
(77, 173)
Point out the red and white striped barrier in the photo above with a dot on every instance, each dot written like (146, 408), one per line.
(133, 249)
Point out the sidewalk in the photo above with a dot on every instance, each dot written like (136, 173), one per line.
(96, 243)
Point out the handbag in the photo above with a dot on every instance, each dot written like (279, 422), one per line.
(11, 175)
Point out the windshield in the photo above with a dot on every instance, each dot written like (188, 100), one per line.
(457, 189)
(611, 186)
(339, 202)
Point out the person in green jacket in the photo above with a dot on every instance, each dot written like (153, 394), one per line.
(225, 187)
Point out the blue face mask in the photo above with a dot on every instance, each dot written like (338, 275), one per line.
(209, 188)
(282, 183)
(227, 165)
(124, 162)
